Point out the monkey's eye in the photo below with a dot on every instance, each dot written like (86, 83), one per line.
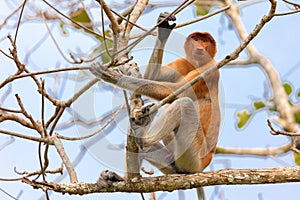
(205, 40)
(195, 38)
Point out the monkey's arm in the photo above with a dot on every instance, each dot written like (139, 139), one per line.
(153, 70)
(154, 89)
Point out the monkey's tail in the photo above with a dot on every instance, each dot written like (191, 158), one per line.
(200, 193)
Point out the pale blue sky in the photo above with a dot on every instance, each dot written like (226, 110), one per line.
(279, 41)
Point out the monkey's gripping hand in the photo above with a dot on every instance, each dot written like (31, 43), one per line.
(165, 28)
(140, 124)
(107, 74)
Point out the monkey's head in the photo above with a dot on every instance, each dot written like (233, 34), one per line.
(200, 47)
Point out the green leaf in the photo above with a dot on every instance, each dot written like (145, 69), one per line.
(297, 158)
(288, 88)
(105, 57)
(81, 16)
(258, 105)
(243, 118)
(201, 9)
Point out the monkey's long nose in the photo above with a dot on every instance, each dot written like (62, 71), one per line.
(199, 50)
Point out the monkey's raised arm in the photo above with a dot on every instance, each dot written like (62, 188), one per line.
(153, 70)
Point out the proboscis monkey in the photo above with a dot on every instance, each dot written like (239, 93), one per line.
(189, 125)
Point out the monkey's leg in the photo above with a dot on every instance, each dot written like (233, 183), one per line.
(179, 116)
(160, 157)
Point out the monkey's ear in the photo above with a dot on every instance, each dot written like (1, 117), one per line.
(165, 28)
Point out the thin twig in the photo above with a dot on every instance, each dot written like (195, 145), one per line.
(26, 137)
(19, 22)
(96, 132)
(141, 38)
(8, 142)
(287, 13)
(202, 17)
(55, 42)
(14, 77)
(278, 132)
(35, 124)
(124, 18)
(73, 21)
(296, 5)
(10, 110)
(29, 174)
(104, 36)
(11, 14)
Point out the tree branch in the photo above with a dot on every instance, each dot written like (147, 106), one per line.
(269, 151)
(114, 24)
(176, 181)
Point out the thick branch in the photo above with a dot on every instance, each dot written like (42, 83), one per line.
(136, 13)
(176, 181)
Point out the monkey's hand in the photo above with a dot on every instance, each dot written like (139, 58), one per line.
(140, 124)
(107, 74)
(165, 28)
(107, 178)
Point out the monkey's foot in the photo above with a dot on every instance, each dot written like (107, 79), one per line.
(107, 178)
(139, 114)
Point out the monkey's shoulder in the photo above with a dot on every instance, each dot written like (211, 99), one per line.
(181, 65)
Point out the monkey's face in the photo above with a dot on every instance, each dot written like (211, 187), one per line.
(197, 50)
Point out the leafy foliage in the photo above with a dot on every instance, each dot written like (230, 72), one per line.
(81, 16)
(244, 115)
(288, 88)
(201, 9)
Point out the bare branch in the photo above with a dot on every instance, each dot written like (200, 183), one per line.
(64, 157)
(269, 151)
(19, 21)
(180, 181)
(73, 21)
(114, 24)
(96, 132)
(202, 17)
(278, 132)
(11, 78)
(55, 43)
(29, 174)
(136, 13)
(11, 14)
(8, 142)
(36, 139)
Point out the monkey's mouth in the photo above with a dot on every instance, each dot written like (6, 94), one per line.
(198, 54)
